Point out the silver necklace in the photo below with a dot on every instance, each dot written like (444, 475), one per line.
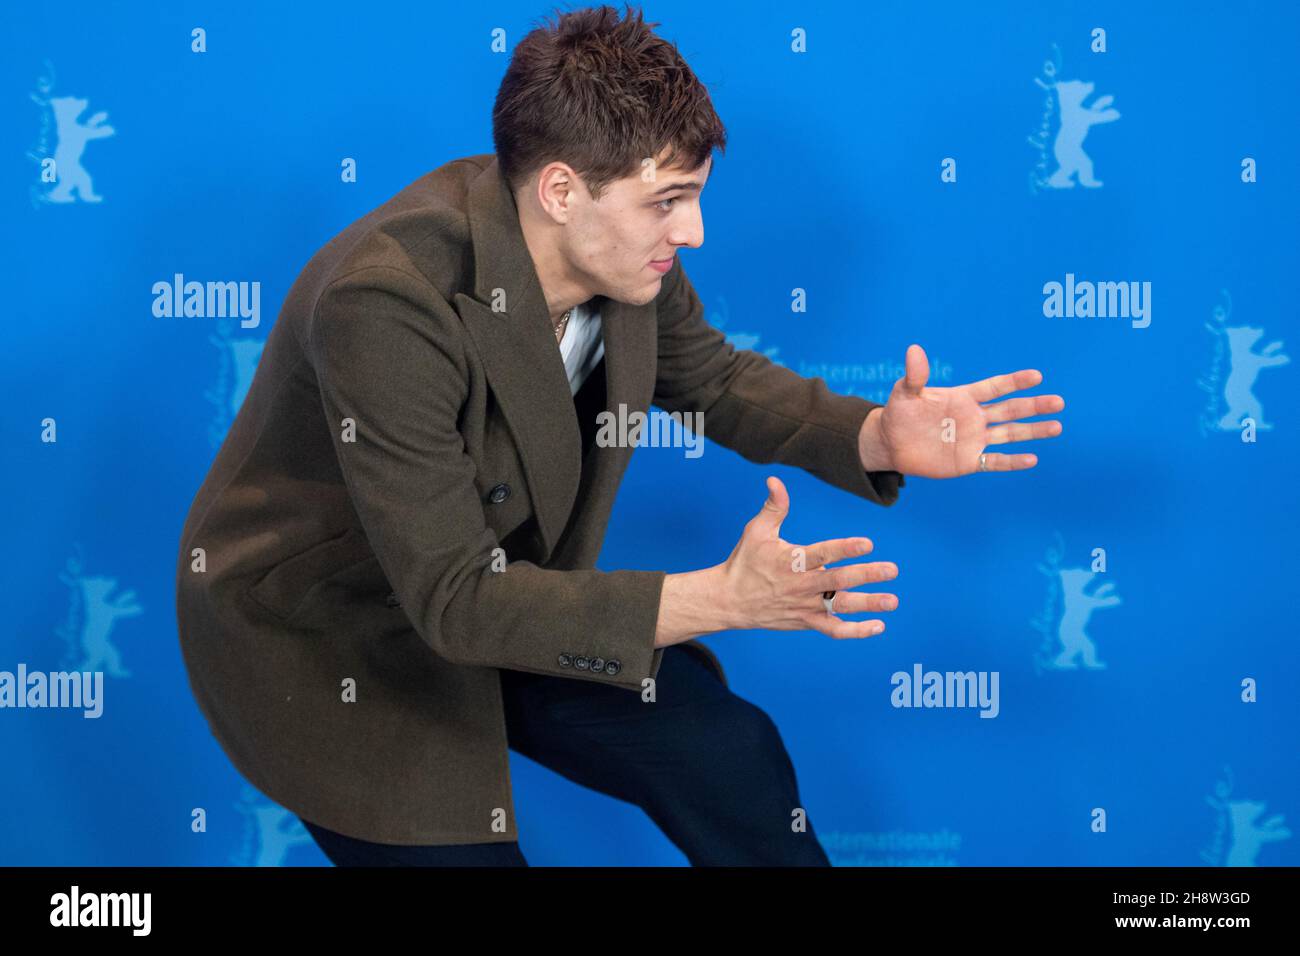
(559, 329)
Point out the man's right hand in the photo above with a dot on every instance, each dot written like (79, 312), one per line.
(771, 584)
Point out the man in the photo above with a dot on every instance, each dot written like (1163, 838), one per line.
(387, 578)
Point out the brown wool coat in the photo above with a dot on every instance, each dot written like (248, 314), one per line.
(396, 432)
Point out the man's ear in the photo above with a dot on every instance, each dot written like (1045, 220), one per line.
(568, 185)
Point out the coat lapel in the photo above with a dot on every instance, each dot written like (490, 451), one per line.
(523, 362)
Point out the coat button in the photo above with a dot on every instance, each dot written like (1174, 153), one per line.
(582, 663)
(566, 660)
(612, 667)
(598, 663)
(392, 600)
(499, 493)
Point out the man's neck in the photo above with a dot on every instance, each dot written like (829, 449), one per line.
(561, 290)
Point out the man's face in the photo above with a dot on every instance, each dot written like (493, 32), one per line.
(611, 244)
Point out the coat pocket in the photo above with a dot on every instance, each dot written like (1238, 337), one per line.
(284, 589)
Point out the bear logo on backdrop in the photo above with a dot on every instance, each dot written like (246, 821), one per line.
(1073, 594)
(1063, 107)
(237, 357)
(93, 612)
(61, 145)
(1234, 368)
(1239, 834)
(270, 831)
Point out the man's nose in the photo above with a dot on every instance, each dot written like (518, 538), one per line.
(690, 232)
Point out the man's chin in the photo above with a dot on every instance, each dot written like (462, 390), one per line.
(643, 296)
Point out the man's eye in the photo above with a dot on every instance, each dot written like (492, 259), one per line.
(660, 205)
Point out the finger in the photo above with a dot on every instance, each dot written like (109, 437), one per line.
(850, 576)
(1014, 408)
(834, 549)
(990, 388)
(993, 461)
(774, 510)
(917, 370)
(1022, 431)
(860, 602)
(834, 627)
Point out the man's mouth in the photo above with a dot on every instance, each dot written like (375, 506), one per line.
(662, 265)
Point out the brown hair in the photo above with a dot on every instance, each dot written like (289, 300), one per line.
(601, 95)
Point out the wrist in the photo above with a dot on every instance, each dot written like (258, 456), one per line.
(693, 603)
(872, 449)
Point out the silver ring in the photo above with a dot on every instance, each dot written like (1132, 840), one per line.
(828, 601)
(983, 455)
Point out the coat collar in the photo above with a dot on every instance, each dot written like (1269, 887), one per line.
(523, 362)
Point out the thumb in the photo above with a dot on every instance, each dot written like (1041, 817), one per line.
(774, 509)
(918, 370)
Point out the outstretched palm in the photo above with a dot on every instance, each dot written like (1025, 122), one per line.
(941, 432)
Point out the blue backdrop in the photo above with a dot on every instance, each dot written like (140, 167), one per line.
(920, 171)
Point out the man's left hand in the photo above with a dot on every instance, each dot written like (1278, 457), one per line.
(941, 432)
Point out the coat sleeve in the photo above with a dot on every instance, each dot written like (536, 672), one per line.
(386, 356)
(763, 411)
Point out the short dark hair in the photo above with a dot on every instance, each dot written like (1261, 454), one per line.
(601, 95)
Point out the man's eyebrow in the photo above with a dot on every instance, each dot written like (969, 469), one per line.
(692, 184)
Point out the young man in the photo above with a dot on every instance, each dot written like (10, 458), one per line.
(387, 578)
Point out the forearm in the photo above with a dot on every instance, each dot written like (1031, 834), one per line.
(691, 604)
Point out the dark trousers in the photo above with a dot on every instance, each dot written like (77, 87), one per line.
(708, 767)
